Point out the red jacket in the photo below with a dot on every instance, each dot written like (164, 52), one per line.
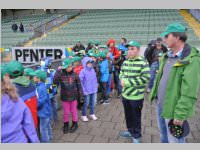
(78, 69)
(113, 49)
(115, 52)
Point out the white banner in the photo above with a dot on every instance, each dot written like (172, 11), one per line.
(34, 54)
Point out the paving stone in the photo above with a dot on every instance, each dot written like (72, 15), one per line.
(151, 131)
(93, 123)
(155, 138)
(110, 133)
(70, 137)
(117, 119)
(83, 138)
(96, 131)
(120, 126)
(98, 139)
(196, 135)
(146, 138)
(108, 125)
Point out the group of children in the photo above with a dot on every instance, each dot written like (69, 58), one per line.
(78, 78)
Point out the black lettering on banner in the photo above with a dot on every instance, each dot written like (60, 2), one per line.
(58, 53)
(34, 54)
(25, 54)
(49, 52)
(18, 53)
(41, 52)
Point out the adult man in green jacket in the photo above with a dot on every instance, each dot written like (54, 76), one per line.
(177, 83)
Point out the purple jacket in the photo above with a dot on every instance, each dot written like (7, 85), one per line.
(16, 122)
(88, 78)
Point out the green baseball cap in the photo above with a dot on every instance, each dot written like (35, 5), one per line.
(75, 59)
(91, 42)
(174, 27)
(97, 42)
(103, 46)
(133, 43)
(78, 41)
(15, 68)
(27, 71)
(3, 70)
(66, 63)
(102, 54)
(72, 53)
(92, 55)
(40, 74)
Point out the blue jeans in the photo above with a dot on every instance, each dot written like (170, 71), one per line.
(109, 84)
(54, 103)
(117, 81)
(90, 100)
(45, 130)
(153, 68)
(165, 135)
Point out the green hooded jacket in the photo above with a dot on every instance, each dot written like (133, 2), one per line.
(183, 85)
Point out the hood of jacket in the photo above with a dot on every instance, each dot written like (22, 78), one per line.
(22, 80)
(84, 62)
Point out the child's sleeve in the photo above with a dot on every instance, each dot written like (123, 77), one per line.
(78, 83)
(121, 74)
(81, 77)
(43, 96)
(56, 78)
(141, 80)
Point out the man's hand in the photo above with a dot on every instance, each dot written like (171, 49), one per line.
(122, 83)
(178, 122)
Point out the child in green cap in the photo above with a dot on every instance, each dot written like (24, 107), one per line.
(71, 92)
(44, 106)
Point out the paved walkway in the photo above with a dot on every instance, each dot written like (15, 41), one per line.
(111, 121)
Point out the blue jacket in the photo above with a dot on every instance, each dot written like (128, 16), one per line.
(44, 103)
(122, 47)
(88, 78)
(104, 70)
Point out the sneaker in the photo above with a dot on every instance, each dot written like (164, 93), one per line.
(101, 101)
(84, 118)
(136, 140)
(93, 117)
(125, 134)
(106, 102)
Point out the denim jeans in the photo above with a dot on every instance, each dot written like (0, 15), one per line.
(117, 81)
(109, 84)
(153, 68)
(54, 103)
(45, 130)
(90, 100)
(165, 135)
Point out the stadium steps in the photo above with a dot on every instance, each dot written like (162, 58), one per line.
(30, 42)
(192, 22)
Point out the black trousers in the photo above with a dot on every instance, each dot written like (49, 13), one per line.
(103, 86)
(133, 113)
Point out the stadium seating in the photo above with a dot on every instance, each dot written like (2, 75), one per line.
(140, 25)
(10, 39)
